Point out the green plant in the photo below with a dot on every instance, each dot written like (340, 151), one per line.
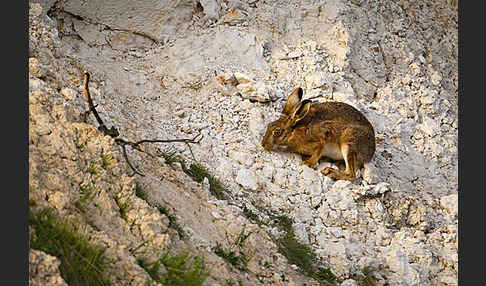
(284, 223)
(240, 239)
(216, 187)
(140, 192)
(172, 158)
(367, 278)
(251, 215)
(92, 168)
(87, 194)
(123, 208)
(172, 221)
(299, 253)
(181, 269)
(197, 172)
(325, 274)
(105, 161)
(238, 261)
(151, 268)
(82, 263)
(134, 250)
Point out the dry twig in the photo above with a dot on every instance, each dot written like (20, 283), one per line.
(113, 132)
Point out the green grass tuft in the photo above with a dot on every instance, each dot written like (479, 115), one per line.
(325, 274)
(140, 192)
(367, 278)
(172, 158)
(87, 194)
(240, 239)
(296, 252)
(123, 207)
(251, 215)
(92, 169)
(82, 263)
(238, 261)
(182, 269)
(105, 161)
(197, 172)
(216, 188)
(151, 268)
(172, 221)
(301, 254)
(284, 223)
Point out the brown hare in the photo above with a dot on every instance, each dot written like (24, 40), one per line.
(332, 129)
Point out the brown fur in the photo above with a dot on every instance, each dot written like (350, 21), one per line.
(331, 129)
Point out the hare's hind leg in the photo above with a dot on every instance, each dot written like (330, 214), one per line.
(350, 159)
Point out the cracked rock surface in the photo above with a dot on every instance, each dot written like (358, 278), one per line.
(173, 69)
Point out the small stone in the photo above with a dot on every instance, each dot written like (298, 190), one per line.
(233, 17)
(211, 9)
(242, 78)
(35, 69)
(414, 69)
(436, 78)
(349, 282)
(242, 158)
(337, 232)
(257, 91)
(421, 59)
(301, 232)
(216, 215)
(69, 93)
(268, 171)
(382, 188)
(427, 99)
(205, 184)
(397, 261)
(370, 173)
(449, 203)
(247, 179)
(448, 280)
(246, 88)
(59, 200)
(35, 9)
(44, 269)
(294, 54)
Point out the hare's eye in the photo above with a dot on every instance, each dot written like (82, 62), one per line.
(277, 132)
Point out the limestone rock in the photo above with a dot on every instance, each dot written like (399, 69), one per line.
(44, 269)
(450, 204)
(211, 9)
(168, 70)
(247, 179)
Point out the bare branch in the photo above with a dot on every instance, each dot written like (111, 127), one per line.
(113, 132)
(128, 161)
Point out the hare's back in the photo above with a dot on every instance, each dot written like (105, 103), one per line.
(340, 111)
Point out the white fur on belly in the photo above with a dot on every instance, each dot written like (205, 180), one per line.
(333, 151)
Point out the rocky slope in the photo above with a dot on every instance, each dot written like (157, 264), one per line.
(173, 69)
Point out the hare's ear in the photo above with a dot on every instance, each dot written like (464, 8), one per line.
(300, 111)
(292, 101)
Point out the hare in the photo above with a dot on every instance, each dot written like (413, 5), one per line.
(332, 129)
